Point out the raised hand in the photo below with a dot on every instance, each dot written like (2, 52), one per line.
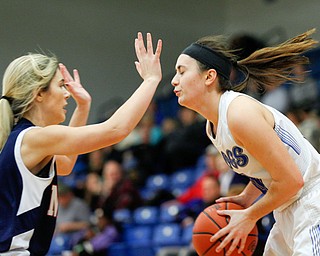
(148, 64)
(80, 95)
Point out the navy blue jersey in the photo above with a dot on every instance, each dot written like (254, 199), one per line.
(28, 202)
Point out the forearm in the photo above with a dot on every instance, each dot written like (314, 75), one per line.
(80, 115)
(278, 194)
(126, 118)
(250, 193)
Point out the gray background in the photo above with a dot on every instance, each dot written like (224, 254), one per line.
(96, 36)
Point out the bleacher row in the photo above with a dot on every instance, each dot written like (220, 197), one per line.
(176, 183)
(148, 229)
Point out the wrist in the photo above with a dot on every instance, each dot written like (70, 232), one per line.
(153, 79)
(84, 107)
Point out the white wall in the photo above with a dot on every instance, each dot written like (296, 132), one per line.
(260, 17)
(96, 36)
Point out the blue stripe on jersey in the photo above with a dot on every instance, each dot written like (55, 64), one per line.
(287, 138)
(259, 184)
(315, 238)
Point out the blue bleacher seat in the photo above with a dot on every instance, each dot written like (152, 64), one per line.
(138, 234)
(59, 243)
(186, 237)
(176, 191)
(183, 178)
(147, 193)
(139, 240)
(123, 216)
(141, 250)
(167, 234)
(118, 249)
(146, 215)
(158, 182)
(170, 212)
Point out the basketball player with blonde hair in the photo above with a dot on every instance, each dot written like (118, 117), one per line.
(35, 148)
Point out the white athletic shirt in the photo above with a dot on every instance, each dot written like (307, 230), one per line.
(238, 158)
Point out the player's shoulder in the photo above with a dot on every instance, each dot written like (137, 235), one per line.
(245, 115)
(244, 109)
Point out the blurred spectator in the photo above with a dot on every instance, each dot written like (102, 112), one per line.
(144, 151)
(243, 45)
(169, 125)
(210, 191)
(117, 191)
(308, 123)
(148, 130)
(304, 93)
(195, 191)
(92, 190)
(96, 239)
(77, 177)
(95, 161)
(231, 183)
(97, 158)
(73, 217)
(276, 97)
(181, 148)
(73, 214)
(139, 149)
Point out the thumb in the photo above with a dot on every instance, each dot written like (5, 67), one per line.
(138, 66)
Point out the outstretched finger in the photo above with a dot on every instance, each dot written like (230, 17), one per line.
(65, 73)
(159, 48)
(139, 45)
(221, 233)
(233, 246)
(242, 244)
(149, 43)
(76, 76)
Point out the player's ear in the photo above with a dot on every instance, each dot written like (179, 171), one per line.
(211, 76)
(39, 95)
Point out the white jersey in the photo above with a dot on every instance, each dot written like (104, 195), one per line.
(239, 159)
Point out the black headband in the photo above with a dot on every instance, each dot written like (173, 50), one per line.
(210, 58)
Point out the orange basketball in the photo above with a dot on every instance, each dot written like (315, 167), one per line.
(210, 222)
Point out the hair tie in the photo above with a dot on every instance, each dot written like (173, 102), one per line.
(9, 99)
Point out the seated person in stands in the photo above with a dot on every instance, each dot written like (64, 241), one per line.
(95, 240)
(210, 191)
(73, 214)
(117, 191)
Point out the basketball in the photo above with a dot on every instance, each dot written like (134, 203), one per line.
(210, 222)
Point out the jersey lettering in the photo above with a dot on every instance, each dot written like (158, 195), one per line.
(53, 208)
(235, 157)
